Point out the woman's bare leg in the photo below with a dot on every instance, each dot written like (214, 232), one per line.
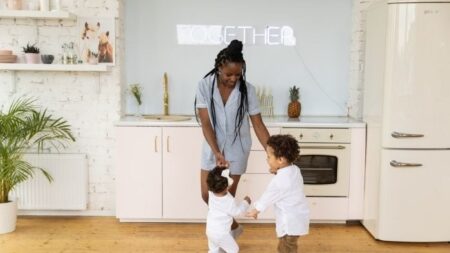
(204, 185)
(232, 189)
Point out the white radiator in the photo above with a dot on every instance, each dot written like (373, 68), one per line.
(67, 191)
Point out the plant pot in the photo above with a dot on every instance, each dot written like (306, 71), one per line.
(32, 58)
(15, 4)
(8, 217)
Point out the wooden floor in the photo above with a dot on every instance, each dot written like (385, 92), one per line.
(106, 234)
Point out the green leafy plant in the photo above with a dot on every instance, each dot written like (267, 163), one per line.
(24, 126)
(136, 91)
(31, 49)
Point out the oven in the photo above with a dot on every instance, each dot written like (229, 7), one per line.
(324, 160)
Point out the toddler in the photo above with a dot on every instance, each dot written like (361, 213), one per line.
(285, 192)
(222, 208)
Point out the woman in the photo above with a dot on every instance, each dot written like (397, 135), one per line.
(224, 103)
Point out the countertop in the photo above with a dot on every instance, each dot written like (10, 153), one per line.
(275, 121)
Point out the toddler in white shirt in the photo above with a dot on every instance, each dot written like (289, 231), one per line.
(222, 208)
(285, 192)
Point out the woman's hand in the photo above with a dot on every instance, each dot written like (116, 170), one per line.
(220, 160)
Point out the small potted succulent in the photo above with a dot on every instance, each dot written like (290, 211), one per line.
(31, 53)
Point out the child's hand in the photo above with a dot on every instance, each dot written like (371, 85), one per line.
(247, 198)
(273, 171)
(252, 213)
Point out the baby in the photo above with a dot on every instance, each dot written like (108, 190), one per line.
(222, 209)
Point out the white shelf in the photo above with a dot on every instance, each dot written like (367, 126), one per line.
(54, 67)
(37, 14)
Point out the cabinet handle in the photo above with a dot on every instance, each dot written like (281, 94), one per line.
(168, 150)
(156, 144)
(405, 135)
(394, 163)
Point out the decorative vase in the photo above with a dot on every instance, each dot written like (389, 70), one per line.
(44, 4)
(138, 112)
(32, 58)
(8, 217)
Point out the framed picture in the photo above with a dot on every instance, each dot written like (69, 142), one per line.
(97, 40)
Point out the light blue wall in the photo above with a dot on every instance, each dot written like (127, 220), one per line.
(319, 63)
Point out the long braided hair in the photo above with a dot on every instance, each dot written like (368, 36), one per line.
(231, 54)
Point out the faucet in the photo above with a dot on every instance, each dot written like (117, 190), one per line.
(166, 95)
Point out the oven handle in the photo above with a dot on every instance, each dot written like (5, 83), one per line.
(322, 147)
(394, 163)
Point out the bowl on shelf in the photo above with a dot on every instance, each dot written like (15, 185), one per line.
(47, 58)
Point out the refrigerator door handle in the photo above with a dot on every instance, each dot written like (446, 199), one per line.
(405, 135)
(394, 163)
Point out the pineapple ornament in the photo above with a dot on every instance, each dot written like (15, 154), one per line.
(294, 107)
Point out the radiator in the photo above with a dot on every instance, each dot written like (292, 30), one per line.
(67, 191)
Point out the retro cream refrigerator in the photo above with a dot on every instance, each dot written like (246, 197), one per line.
(407, 110)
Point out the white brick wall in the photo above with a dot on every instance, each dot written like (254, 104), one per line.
(91, 102)
(357, 58)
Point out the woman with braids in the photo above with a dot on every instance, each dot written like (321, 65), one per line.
(225, 101)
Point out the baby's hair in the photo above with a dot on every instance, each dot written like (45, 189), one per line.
(216, 182)
(284, 146)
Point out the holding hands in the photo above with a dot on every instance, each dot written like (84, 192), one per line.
(252, 213)
(220, 160)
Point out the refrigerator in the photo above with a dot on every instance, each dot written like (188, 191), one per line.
(406, 105)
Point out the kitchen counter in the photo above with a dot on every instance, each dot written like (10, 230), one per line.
(275, 121)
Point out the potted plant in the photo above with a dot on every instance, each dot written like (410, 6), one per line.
(136, 91)
(24, 126)
(31, 53)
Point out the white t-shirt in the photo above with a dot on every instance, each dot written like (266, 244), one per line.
(221, 212)
(285, 192)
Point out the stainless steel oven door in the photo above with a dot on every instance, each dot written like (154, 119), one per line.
(325, 168)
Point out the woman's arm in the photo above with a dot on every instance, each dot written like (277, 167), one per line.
(260, 129)
(210, 137)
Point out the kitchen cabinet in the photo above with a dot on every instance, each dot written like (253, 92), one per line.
(138, 172)
(158, 173)
(257, 177)
(181, 173)
(158, 176)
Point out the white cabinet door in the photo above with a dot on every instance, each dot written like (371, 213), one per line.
(253, 185)
(138, 173)
(181, 173)
(414, 200)
(417, 76)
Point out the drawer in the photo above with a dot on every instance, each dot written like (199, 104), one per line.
(317, 135)
(324, 208)
(255, 142)
(257, 163)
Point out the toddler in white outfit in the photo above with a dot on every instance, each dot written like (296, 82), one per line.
(223, 207)
(285, 193)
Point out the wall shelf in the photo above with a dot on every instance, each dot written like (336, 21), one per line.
(37, 14)
(54, 67)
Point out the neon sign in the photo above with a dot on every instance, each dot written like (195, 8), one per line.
(219, 34)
